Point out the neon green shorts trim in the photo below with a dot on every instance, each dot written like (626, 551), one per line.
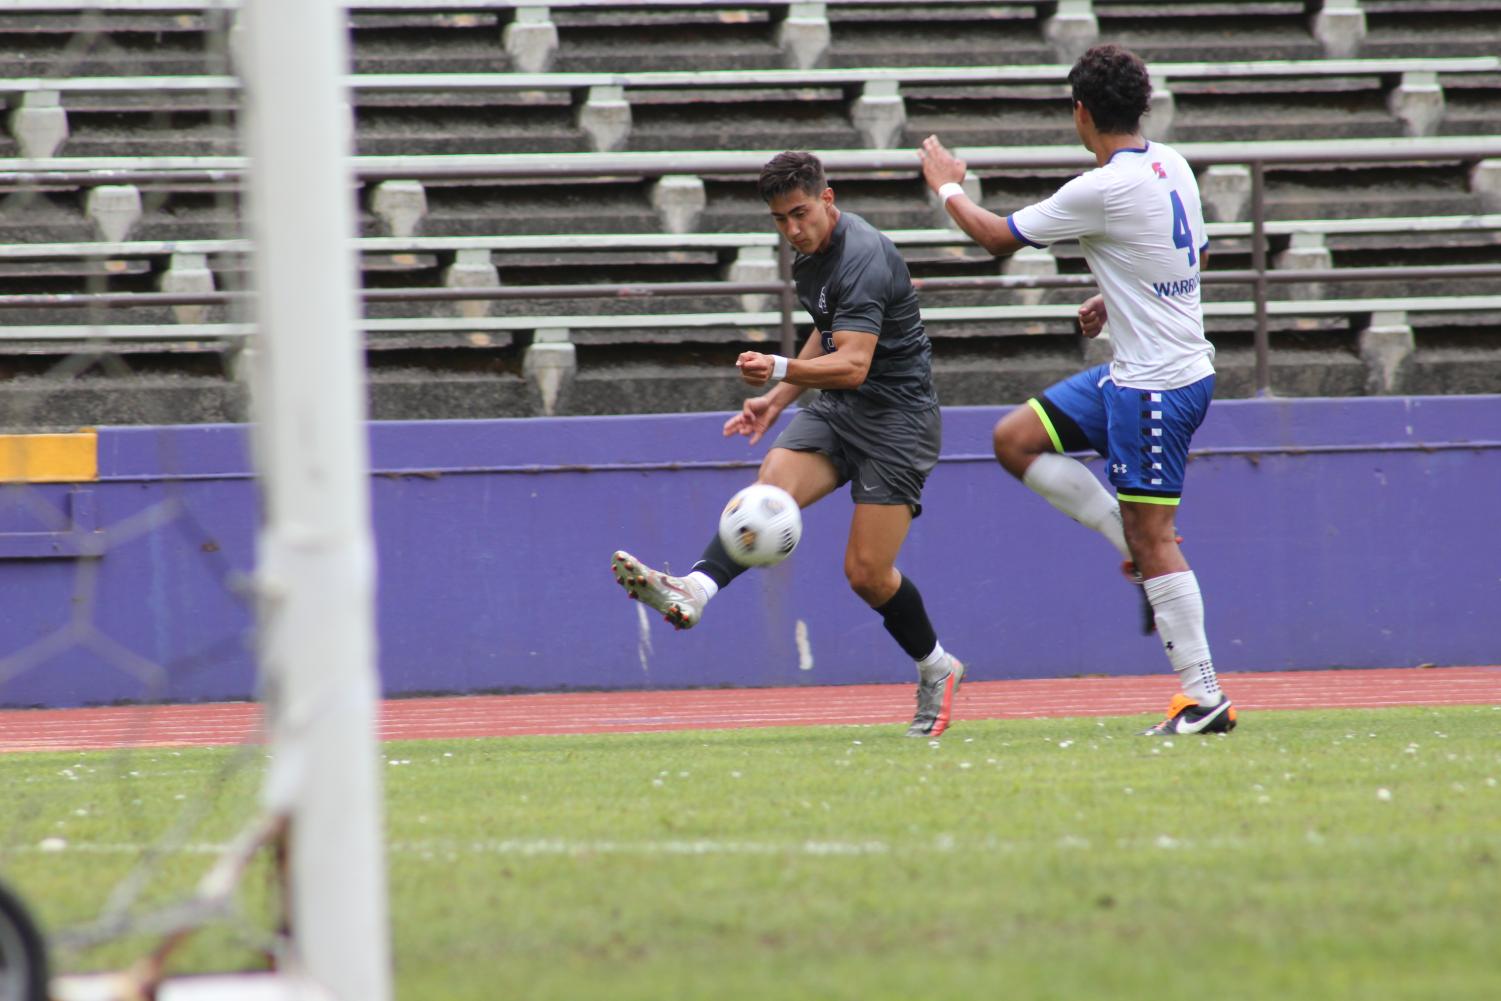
(1047, 423)
(1144, 499)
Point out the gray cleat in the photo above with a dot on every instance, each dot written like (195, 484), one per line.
(936, 690)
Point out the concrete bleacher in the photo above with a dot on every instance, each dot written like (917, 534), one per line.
(870, 107)
(731, 256)
(623, 336)
(434, 79)
(692, 190)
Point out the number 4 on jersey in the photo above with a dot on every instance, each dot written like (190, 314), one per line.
(1183, 237)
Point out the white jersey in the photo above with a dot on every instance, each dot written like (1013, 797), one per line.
(1140, 223)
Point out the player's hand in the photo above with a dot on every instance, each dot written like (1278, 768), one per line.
(755, 368)
(1092, 316)
(939, 166)
(753, 420)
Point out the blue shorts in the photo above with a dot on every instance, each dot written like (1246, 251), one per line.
(1143, 432)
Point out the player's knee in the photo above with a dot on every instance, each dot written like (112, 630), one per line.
(872, 582)
(1153, 543)
(1138, 539)
(1013, 450)
(771, 467)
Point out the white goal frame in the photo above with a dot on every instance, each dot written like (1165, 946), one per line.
(315, 559)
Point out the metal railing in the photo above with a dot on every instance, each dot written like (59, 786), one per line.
(698, 81)
(718, 240)
(556, 167)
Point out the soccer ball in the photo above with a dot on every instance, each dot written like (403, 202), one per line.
(760, 526)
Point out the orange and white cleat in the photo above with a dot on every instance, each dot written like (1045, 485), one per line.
(680, 601)
(1184, 715)
(937, 688)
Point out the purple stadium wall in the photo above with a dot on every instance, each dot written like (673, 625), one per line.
(1350, 533)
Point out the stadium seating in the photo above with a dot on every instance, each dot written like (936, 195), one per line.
(871, 107)
(432, 79)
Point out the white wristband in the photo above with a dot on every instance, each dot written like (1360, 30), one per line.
(949, 190)
(778, 367)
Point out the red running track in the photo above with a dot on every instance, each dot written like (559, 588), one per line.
(713, 709)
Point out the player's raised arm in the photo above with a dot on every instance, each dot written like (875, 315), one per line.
(944, 173)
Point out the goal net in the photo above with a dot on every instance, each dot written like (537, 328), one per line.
(141, 555)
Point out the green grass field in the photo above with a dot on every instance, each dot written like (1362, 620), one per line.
(1343, 854)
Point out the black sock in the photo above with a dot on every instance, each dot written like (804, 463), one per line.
(906, 620)
(717, 564)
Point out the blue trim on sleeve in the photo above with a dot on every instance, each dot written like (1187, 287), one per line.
(1018, 234)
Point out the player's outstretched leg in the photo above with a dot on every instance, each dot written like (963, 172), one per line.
(680, 599)
(1027, 443)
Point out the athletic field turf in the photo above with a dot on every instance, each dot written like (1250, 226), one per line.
(1349, 853)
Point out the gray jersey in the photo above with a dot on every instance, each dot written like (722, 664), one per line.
(861, 283)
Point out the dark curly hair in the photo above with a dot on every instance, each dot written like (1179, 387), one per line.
(791, 171)
(1113, 84)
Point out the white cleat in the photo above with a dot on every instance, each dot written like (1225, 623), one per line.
(680, 601)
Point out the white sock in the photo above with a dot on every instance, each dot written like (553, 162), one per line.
(1179, 609)
(706, 582)
(1068, 485)
(933, 659)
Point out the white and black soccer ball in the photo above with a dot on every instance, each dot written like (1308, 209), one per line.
(760, 526)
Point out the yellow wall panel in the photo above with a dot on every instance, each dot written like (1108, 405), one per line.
(49, 458)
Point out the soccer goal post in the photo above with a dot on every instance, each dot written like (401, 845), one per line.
(316, 573)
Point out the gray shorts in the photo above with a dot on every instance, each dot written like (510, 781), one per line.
(883, 453)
